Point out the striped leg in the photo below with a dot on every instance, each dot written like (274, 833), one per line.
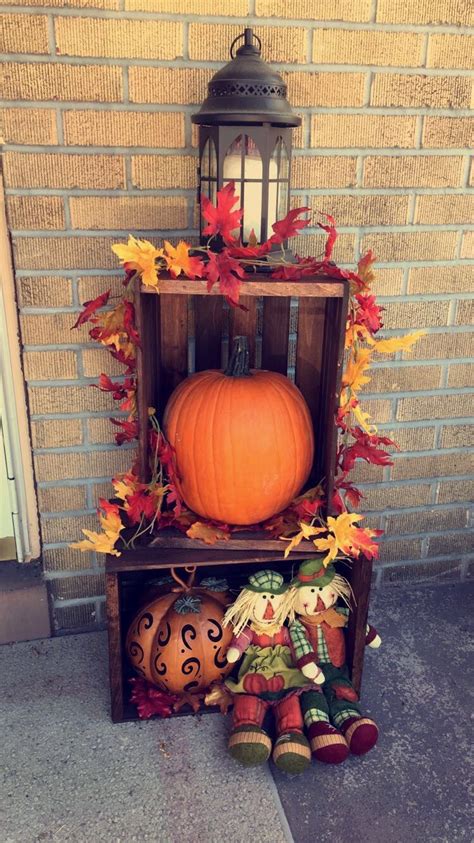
(291, 752)
(248, 743)
(327, 743)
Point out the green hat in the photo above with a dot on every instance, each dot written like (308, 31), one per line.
(313, 572)
(264, 581)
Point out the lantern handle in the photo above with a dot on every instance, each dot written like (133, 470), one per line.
(247, 35)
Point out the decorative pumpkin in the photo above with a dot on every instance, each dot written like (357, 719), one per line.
(243, 440)
(177, 641)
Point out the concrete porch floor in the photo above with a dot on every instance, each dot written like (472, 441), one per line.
(68, 774)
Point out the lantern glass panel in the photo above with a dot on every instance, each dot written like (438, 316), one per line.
(278, 183)
(209, 172)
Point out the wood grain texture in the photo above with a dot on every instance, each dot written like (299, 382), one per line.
(208, 321)
(244, 323)
(159, 557)
(259, 286)
(360, 578)
(148, 373)
(276, 323)
(309, 361)
(174, 345)
(115, 645)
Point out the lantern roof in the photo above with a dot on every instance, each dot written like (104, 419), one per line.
(247, 90)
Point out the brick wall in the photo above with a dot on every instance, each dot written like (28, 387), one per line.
(98, 96)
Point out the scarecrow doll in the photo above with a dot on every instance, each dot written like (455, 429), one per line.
(267, 678)
(332, 715)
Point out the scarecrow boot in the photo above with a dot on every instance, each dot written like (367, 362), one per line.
(327, 743)
(361, 733)
(248, 743)
(291, 751)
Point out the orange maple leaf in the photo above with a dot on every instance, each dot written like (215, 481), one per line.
(207, 533)
(357, 364)
(179, 261)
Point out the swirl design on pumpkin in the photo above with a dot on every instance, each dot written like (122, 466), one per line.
(161, 670)
(164, 635)
(190, 686)
(188, 634)
(136, 651)
(147, 621)
(220, 663)
(215, 634)
(190, 665)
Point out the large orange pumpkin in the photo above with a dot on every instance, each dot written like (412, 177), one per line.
(177, 641)
(243, 440)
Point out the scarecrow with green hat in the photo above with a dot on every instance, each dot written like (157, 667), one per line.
(332, 715)
(267, 677)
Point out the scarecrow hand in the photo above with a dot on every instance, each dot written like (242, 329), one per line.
(233, 655)
(375, 644)
(312, 671)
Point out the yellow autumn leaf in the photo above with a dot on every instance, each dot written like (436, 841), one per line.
(365, 270)
(140, 255)
(98, 542)
(342, 535)
(328, 544)
(206, 533)
(356, 332)
(125, 485)
(363, 419)
(357, 364)
(306, 532)
(392, 344)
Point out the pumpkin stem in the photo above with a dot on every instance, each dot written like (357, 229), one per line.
(185, 586)
(239, 363)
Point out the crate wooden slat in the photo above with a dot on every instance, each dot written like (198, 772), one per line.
(208, 329)
(276, 324)
(245, 322)
(260, 285)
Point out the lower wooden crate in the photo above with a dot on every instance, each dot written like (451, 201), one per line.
(130, 576)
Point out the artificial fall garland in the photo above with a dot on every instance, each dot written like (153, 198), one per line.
(140, 509)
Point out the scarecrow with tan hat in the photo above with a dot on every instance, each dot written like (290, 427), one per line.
(267, 677)
(332, 715)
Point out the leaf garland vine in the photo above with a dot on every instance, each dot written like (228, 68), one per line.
(139, 509)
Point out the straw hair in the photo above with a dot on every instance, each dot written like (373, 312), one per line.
(339, 584)
(241, 613)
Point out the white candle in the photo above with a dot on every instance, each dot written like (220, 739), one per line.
(253, 192)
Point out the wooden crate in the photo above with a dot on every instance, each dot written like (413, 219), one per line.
(187, 329)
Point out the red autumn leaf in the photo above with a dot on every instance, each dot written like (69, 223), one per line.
(306, 509)
(332, 234)
(289, 226)
(368, 313)
(128, 432)
(362, 541)
(105, 384)
(248, 252)
(140, 505)
(352, 494)
(150, 701)
(129, 362)
(90, 308)
(221, 218)
(337, 502)
(227, 271)
(129, 322)
(364, 450)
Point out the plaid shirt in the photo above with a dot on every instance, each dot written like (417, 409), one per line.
(303, 649)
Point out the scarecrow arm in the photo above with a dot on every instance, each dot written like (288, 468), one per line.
(372, 638)
(306, 659)
(238, 645)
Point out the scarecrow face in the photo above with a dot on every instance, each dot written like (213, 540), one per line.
(311, 599)
(266, 606)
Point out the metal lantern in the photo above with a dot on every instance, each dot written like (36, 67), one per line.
(245, 136)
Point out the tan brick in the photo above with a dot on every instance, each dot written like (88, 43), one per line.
(64, 253)
(360, 46)
(441, 132)
(427, 571)
(61, 498)
(431, 521)
(35, 212)
(325, 89)
(401, 379)
(467, 245)
(49, 365)
(44, 291)
(62, 82)
(431, 466)
(54, 329)
(82, 464)
(379, 409)
(67, 529)
(363, 210)
(124, 128)
(451, 51)
(441, 279)
(435, 407)
(455, 491)
(388, 282)
(101, 431)
(345, 10)
(380, 498)
(439, 209)
(56, 170)
(451, 543)
(360, 130)
(413, 171)
(416, 245)
(129, 212)
(69, 588)
(98, 360)
(417, 314)
(83, 4)
(139, 39)
(425, 11)
(23, 33)
(412, 438)
(168, 85)
(56, 433)
(449, 346)
(465, 313)
(457, 436)
(89, 287)
(392, 551)
(164, 171)
(279, 44)
(82, 616)
(461, 374)
(29, 125)
(417, 91)
(313, 244)
(229, 8)
(68, 399)
(102, 490)
(365, 473)
(323, 171)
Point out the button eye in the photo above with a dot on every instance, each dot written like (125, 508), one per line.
(313, 590)
(264, 596)
(272, 596)
(320, 588)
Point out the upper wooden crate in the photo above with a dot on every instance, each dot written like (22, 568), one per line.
(186, 329)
